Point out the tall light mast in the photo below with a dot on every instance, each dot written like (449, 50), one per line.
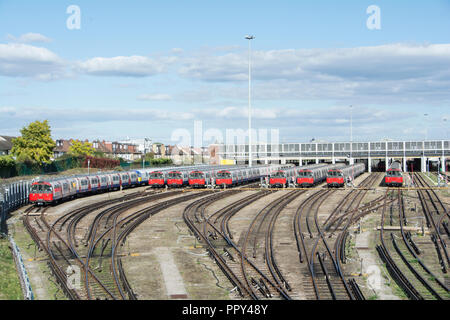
(250, 158)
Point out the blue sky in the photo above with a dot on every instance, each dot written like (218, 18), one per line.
(145, 68)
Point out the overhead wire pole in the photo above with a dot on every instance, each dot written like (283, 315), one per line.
(250, 158)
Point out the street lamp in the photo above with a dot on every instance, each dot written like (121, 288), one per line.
(426, 126)
(351, 135)
(426, 138)
(249, 102)
(446, 131)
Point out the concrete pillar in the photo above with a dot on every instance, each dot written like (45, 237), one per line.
(369, 164)
(266, 161)
(443, 164)
(352, 161)
(333, 160)
(317, 160)
(386, 161)
(300, 162)
(423, 164)
(405, 167)
(283, 161)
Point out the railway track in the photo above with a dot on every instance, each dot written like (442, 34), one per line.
(250, 263)
(98, 257)
(321, 246)
(437, 217)
(402, 256)
(251, 278)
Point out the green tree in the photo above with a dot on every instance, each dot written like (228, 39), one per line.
(35, 144)
(78, 148)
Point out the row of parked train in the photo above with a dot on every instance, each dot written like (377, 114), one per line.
(335, 175)
(46, 191)
(200, 176)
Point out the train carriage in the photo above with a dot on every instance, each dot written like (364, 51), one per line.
(339, 176)
(226, 178)
(49, 192)
(199, 179)
(394, 176)
(240, 175)
(309, 176)
(43, 192)
(125, 180)
(114, 179)
(133, 178)
(280, 178)
(177, 178)
(156, 179)
(104, 182)
(143, 176)
(83, 185)
(94, 183)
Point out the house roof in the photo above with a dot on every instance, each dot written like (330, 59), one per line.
(6, 143)
(62, 145)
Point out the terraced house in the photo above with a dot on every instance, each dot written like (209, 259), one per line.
(5, 145)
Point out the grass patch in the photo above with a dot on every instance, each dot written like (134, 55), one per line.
(9, 279)
(28, 249)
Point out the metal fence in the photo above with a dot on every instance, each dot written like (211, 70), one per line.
(23, 276)
(12, 196)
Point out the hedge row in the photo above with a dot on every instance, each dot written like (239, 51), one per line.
(100, 163)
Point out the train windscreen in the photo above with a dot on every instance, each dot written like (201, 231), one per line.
(223, 174)
(196, 175)
(278, 174)
(334, 174)
(394, 173)
(40, 188)
(175, 175)
(156, 175)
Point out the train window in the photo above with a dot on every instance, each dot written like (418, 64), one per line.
(223, 174)
(278, 174)
(334, 173)
(156, 175)
(196, 174)
(394, 173)
(173, 175)
(40, 188)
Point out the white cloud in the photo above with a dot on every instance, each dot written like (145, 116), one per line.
(127, 66)
(97, 115)
(393, 72)
(23, 60)
(393, 61)
(29, 37)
